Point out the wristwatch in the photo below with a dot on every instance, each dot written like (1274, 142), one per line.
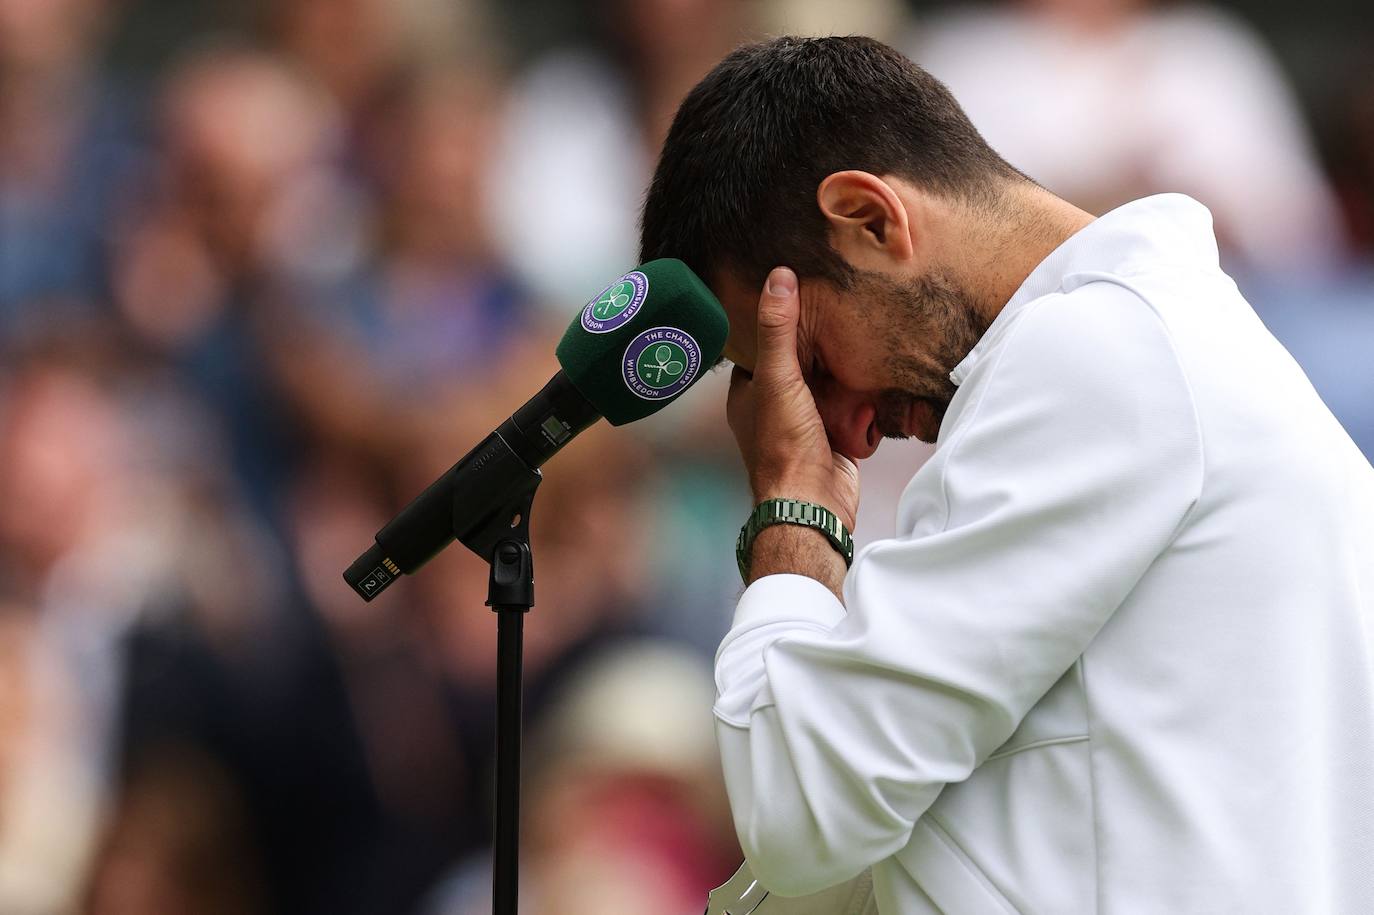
(792, 511)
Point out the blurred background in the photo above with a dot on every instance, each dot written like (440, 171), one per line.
(268, 267)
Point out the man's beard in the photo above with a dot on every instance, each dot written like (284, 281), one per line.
(933, 317)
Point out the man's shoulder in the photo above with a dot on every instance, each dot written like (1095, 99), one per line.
(1089, 333)
(1079, 385)
(1081, 363)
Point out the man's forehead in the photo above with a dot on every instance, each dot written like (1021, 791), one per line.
(740, 299)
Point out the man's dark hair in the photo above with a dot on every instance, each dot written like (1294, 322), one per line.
(735, 186)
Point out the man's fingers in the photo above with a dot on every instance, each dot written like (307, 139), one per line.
(779, 310)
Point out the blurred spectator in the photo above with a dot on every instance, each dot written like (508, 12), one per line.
(451, 302)
(248, 210)
(95, 509)
(432, 305)
(67, 151)
(583, 134)
(244, 142)
(1104, 101)
(362, 52)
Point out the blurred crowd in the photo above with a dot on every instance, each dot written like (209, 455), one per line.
(257, 292)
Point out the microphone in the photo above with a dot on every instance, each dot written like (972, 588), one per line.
(632, 350)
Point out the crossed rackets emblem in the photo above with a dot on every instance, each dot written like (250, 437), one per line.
(613, 302)
(665, 367)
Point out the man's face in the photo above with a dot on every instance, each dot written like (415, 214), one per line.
(876, 356)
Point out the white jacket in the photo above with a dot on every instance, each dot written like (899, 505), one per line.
(1119, 657)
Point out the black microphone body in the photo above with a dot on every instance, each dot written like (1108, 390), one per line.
(474, 489)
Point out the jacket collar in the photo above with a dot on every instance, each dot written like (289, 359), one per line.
(1137, 236)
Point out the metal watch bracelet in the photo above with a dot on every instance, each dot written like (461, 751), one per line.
(792, 511)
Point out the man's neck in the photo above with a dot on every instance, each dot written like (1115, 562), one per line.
(1000, 249)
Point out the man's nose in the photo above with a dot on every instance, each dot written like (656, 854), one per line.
(848, 420)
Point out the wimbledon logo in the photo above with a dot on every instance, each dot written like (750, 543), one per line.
(660, 362)
(617, 304)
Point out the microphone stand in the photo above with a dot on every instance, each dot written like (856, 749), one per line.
(484, 501)
(510, 595)
(490, 515)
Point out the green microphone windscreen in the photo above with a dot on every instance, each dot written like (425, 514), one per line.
(643, 340)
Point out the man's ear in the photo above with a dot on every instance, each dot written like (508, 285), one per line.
(868, 222)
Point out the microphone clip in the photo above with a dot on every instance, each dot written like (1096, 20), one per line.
(511, 583)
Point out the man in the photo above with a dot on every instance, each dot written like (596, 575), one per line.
(1119, 656)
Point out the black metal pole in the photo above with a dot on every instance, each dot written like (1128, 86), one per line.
(510, 595)
(506, 843)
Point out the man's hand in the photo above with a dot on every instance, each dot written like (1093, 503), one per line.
(784, 444)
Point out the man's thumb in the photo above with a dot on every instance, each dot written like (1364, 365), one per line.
(779, 310)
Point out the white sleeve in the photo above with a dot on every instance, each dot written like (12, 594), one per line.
(1069, 475)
